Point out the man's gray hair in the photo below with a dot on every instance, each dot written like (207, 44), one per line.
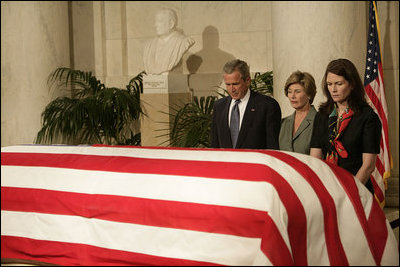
(238, 65)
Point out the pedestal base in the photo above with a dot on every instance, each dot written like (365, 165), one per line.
(162, 94)
(165, 83)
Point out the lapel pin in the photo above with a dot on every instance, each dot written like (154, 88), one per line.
(253, 109)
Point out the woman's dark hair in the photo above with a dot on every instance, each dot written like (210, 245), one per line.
(345, 68)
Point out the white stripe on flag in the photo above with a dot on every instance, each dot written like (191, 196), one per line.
(207, 190)
(347, 218)
(390, 255)
(157, 241)
(224, 192)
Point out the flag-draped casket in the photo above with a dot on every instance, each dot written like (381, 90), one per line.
(118, 205)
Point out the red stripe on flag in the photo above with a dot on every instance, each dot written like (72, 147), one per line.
(378, 231)
(379, 166)
(225, 170)
(68, 254)
(348, 182)
(380, 68)
(378, 105)
(336, 253)
(297, 222)
(161, 213)
(377, 190)
(274, 247)
(379, 108)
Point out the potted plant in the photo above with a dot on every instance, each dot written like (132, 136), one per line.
(94, 113)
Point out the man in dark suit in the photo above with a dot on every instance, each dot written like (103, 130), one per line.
(244, 119)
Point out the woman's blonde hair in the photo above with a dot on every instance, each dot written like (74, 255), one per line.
(306, 80)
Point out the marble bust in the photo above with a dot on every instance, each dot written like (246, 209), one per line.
(162, 53)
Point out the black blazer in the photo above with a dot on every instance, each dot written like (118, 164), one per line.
(362, 135)
(260, 126)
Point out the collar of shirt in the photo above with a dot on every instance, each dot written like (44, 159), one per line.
(242, 107)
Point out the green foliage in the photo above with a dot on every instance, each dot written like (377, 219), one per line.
(263, 83)
(192, 123)
(94, 113)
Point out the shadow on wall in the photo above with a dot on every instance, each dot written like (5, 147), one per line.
(205, 66)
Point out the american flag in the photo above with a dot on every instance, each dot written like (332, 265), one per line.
(118, 205)
(374, 87)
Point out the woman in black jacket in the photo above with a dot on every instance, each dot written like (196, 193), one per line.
(347, 131)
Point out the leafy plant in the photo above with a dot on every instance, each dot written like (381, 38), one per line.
(263, 83)
(192, 122)
(94, 114)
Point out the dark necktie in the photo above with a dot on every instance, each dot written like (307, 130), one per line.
(235, 119)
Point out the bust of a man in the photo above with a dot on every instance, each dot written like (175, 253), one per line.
(162, 53)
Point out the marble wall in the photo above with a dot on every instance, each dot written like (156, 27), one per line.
(389, 31)
(308, 35)
(222, 31)
(34, 41)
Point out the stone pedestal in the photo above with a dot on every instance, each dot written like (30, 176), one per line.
(165, 83)
(162, 94)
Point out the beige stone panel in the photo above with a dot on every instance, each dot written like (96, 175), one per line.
(135, 55)
(388, 13)
(114, 54)
(155, 128)
(140, 16)
(392, 98)
(248, 46)
(389, 29)
(392, 194)
(83, 35)
(256, 15)
(269, 65)
(226, 16)
(117, 81)
(307, 35)
(99, 39)
(204, 84)
(31, 48)
(391, 79)
(112, 12)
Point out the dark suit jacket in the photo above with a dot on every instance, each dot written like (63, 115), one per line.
(260, 126)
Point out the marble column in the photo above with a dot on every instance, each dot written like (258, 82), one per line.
(308, 34)
(34, 42)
